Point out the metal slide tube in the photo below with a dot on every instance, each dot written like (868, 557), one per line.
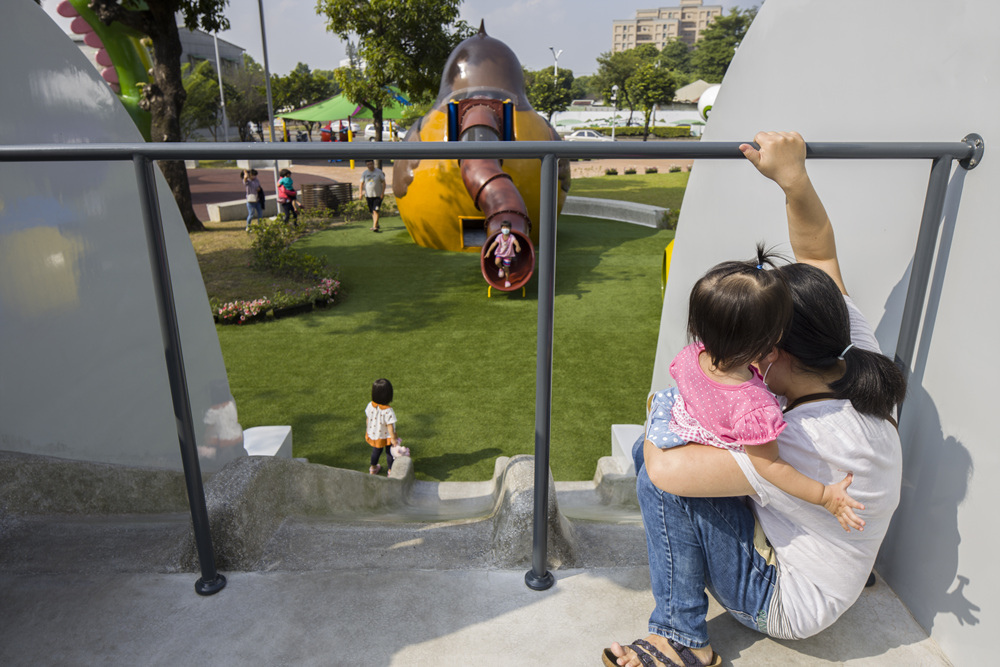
(538, 577)
(923, 257)
(211, 581)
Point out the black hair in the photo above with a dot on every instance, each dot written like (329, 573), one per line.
(819, 334)
(382, 391)
(740, 310)
(284, 172)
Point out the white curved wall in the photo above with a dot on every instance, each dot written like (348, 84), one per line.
(884, 71)
(82, 370)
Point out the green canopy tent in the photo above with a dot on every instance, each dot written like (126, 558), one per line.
(339, 107)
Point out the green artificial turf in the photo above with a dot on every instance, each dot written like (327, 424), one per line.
(662, 189)
(462, 365)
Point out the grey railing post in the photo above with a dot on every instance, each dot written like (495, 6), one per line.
(923, 254)
(211, 581)
(538, 577)
(923, 257)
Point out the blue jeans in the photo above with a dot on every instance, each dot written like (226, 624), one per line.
(253, 208)
(694, 543)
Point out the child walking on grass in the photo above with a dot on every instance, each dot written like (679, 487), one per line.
(381, 425)
(737, 315)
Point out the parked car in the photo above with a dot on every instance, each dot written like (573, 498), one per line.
(390, 131)
(586, 135)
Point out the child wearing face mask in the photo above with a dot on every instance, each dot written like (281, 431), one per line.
(737, 314)
(507, 248)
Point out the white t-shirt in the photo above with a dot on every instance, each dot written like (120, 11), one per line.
(377, 419)
(822, 569)
(373, 182)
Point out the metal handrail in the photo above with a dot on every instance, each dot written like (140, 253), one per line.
(967, 152)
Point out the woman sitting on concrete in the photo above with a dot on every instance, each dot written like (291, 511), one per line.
(778, 564)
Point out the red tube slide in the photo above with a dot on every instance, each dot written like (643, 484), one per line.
(497, 197)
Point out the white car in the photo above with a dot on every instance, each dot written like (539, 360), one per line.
(387, 131)
(586, 135)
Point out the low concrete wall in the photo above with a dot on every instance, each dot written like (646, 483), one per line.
(611, 209)
(31, 484)
(237, 209)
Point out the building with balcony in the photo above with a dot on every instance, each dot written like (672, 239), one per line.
(658, 26)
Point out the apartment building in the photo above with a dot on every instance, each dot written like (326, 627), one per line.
(658, 26)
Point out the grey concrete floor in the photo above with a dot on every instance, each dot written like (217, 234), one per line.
(392, 616)
(374, 589)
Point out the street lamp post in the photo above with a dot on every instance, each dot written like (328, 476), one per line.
(555, 56)
(614, 116)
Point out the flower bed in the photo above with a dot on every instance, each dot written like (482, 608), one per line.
(282, 304)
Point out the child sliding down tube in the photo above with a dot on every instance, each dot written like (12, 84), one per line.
(737, 314)
(507, 247)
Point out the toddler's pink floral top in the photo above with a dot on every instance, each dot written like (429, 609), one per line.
(721, 415)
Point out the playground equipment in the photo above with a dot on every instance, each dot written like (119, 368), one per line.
(461, 204)
(119, 51)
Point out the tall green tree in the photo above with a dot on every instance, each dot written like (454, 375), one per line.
(301, 87)
(548, 92)
(651, 84)
(713, 53)
(586, 88)
(202, 108)
(614, 69)
(404, 43)
(164, 96)
(676, 56)
(248, 101)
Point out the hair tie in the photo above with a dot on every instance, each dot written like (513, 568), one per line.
(760, 266)
(841, 357)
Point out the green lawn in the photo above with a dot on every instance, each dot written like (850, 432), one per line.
(664, 189)
(463, 365)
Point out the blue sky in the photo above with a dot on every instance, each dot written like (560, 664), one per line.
(580, 28)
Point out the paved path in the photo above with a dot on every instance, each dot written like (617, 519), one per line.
(210, 185)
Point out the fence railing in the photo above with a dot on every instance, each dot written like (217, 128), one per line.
(968, 152)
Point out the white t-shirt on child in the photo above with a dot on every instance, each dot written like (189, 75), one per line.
(822, 568)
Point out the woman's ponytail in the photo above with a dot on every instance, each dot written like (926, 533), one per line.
(819, 337)
(872, 383)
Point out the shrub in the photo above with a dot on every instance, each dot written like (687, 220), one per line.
(290, 297)
(661, 132)
(270, 251)
(669, 219)
(357, 209)
(610, 171)
(652, 170)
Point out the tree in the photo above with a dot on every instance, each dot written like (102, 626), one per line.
(202, 107)
(648, 86)
(676, 55)
(586, 88)
(164, 96)
(299, 88)
(545, 93)
(400, 42)
(713, 53)
(614, 69)
(248, 102)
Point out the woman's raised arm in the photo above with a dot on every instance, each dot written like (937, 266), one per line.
(782, 158)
